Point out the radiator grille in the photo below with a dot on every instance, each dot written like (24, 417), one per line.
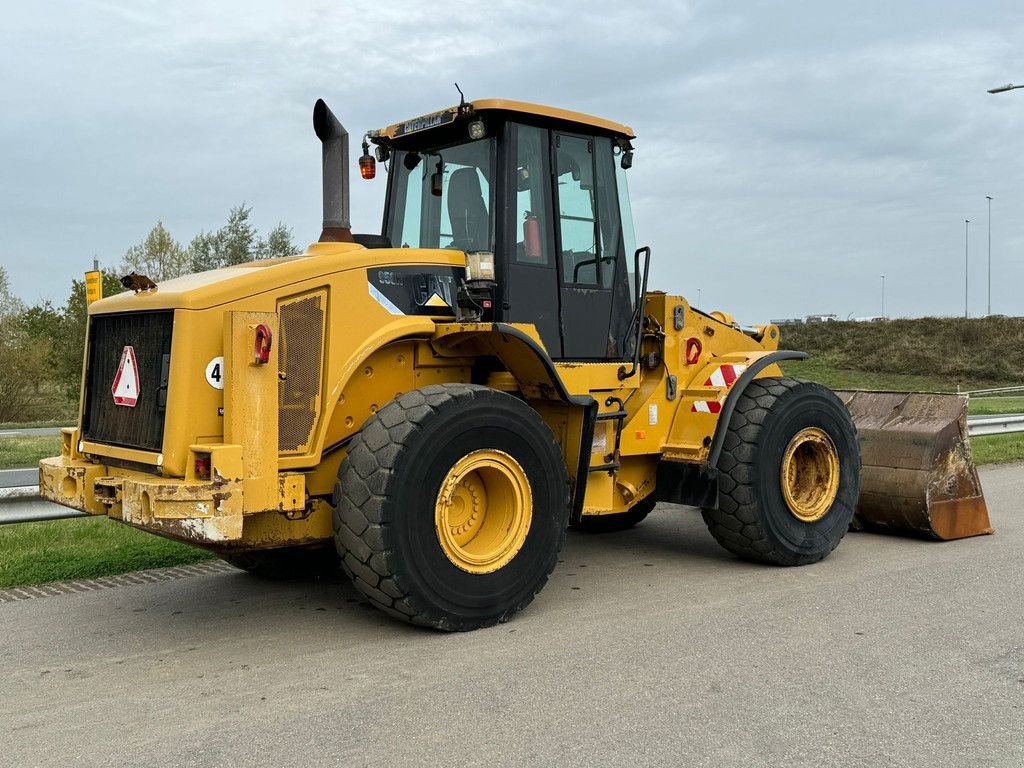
(302, 334)
(149, 335)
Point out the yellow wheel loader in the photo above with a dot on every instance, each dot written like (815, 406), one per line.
(431, 407)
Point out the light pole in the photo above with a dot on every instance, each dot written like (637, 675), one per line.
(989, 312)
(1005, 88)
(967, 225)
(883, 297)
(698, 297)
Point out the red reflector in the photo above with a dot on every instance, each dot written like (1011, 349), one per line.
(264, 339)
(693, 350)
(367, 167)
(486, 304)
(203, 466)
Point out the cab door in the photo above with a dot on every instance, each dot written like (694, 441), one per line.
(531, 293)
(595, 301)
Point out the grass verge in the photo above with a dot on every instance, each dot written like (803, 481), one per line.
(998, 449)
(844, 378)
(840, 378)
(86, 548)
(988, 406)
(16, 452)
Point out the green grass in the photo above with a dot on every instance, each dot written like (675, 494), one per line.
(87, 548)
(954, 350)
(16, 452)
(998, 449)
(986, 406)
(834, 377)
(990, 449)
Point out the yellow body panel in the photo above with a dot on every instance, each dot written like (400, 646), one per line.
(262, 494)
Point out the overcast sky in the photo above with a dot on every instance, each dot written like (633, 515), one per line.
(788, 154)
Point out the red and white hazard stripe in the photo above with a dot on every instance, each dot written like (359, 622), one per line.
(706, 406)
(725, 376)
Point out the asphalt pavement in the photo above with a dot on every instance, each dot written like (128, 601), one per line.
(648, 648)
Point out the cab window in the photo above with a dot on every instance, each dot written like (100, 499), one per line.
(588, 211)
(461, 217)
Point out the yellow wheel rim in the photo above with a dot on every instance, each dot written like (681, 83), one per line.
(483, 511)
(810, 474)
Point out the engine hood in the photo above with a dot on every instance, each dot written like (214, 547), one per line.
(205, 290)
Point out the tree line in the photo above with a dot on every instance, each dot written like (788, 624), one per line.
(42, 345)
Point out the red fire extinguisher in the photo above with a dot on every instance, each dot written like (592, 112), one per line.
(531, 236)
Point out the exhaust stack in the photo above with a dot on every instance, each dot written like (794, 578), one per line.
(337, 226)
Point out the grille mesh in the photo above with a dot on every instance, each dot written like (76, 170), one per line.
(149, 335)
(302, 333)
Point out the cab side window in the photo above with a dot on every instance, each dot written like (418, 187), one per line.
(577, 217)
(589, 220)
(533, 190)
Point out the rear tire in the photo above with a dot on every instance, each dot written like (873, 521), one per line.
(618, 522)
(452, 506)
(789, 474)
(312, 562)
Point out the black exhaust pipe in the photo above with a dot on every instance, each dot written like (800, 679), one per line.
(337, 226)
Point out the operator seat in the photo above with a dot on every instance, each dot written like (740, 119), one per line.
(468, 212)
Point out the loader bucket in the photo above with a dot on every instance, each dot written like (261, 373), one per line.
(917, 474)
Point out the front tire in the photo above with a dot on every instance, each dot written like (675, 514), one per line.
(789, 474)
(452, 506)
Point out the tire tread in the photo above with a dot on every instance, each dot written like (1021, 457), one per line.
(361, 497)
(734, 524)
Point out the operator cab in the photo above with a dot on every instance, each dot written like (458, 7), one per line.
(544, 191)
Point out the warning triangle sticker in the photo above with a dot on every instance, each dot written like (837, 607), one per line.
(435, 301)
(126, 382)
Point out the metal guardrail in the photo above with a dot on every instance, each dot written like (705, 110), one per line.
(990, 392)
(997, 424)
(36, 511)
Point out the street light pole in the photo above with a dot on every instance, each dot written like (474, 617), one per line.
(989, 198)
(967, 225)
(1005, 88)
(883, 297)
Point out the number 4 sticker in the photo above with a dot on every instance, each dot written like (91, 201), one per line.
(215, 373)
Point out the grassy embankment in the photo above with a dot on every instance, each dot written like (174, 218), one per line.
(928, 355)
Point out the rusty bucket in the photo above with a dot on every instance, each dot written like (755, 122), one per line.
(917, 473)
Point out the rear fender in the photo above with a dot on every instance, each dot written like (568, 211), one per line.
(522, 355)
(754, 366)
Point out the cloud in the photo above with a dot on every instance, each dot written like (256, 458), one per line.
(788, 154)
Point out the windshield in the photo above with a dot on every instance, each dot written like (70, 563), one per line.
(460, 217)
